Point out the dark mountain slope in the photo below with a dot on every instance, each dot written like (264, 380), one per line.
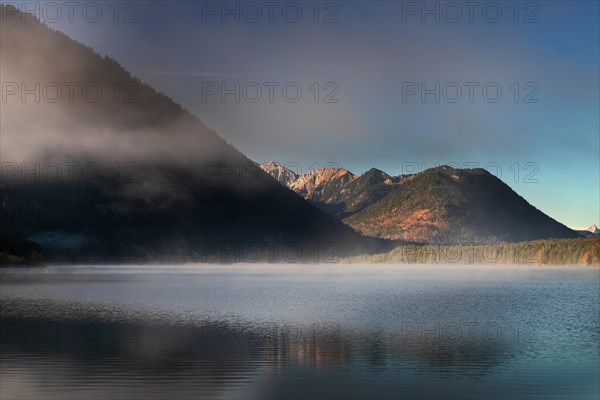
(150, 182)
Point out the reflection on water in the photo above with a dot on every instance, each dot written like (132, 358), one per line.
(281, 332)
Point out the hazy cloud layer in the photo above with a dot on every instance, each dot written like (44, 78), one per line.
(368, 54)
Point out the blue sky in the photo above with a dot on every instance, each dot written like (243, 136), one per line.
(367, 58)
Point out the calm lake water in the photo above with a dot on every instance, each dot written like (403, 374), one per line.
(282, 332)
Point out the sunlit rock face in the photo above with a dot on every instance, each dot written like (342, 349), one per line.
(283, 175)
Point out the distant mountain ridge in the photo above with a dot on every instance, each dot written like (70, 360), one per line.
(590, 231)
(336, 190)
(439, 205)
(321, 183)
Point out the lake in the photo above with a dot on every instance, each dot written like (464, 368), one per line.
(294, 332)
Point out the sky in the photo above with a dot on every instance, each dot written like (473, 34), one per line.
(397, 85)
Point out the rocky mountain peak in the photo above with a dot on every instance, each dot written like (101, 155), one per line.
(283, 175)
